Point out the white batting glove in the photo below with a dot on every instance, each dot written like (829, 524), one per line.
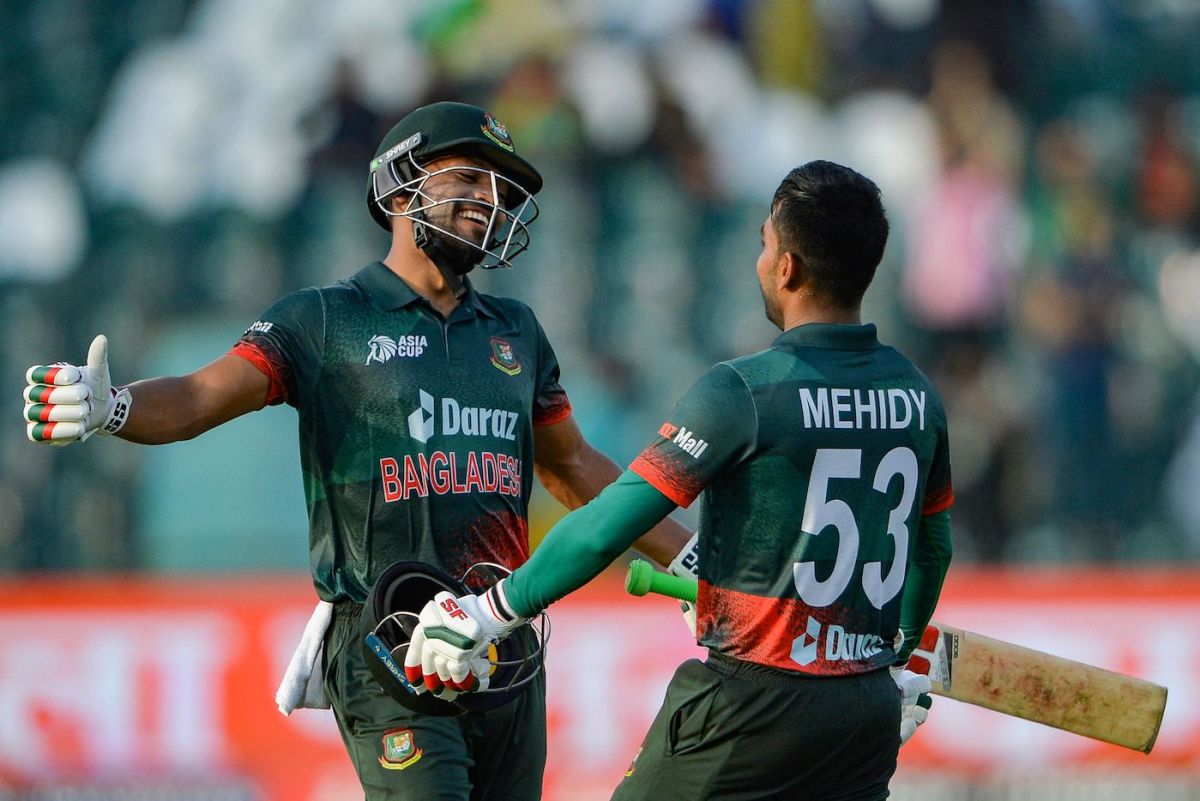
(687, 564)
(914, 700)
(448, 650)
(65, 403)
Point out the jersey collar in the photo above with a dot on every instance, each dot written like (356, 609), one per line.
(831, 336)
(388, 291)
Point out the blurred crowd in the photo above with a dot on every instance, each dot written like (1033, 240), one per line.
(164, 162)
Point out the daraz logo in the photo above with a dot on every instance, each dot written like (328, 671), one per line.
(468, 421)
(420, 422)
(804, 647)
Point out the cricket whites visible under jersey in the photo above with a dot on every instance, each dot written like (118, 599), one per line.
(416, 438)
(817, 458)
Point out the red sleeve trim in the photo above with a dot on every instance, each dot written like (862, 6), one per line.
(656, 478)
(258, 357)
(555, 414)
(938, 501)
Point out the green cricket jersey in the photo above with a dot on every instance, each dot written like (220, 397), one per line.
(824, 467)
(416, 433)
(817, 458)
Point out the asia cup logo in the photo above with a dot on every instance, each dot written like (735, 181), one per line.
(405, 346)
(382, 349)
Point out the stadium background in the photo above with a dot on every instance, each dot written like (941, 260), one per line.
(169, 168)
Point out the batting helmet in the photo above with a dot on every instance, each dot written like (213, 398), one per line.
(390, 615)
(447, 128)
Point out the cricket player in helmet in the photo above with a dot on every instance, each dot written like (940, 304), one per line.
(822, 464)
(425, 410)
(497, 200)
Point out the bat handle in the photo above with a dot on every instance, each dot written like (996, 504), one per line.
(642, 578)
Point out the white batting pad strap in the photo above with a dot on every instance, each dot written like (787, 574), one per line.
(118, 413)
(687, 562)
(495, 603)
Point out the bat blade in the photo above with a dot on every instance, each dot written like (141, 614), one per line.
(1041, 687)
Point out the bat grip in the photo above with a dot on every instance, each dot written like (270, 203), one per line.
(642, 578)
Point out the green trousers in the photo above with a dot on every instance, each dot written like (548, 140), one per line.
(736, 730)
(401, 755)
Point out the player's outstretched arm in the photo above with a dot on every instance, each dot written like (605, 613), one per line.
(183, 407)
(574, 473)
(66, 403)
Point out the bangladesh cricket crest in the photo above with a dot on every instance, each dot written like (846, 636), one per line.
(496, 131)
(503, 358)
(399, 749)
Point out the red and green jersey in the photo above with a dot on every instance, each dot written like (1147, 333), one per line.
(416, 432)
(816, 458)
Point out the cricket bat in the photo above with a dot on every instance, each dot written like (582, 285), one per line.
(1003, 677)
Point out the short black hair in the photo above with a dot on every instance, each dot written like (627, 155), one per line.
(832, 219)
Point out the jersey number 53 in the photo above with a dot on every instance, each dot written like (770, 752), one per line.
(821, 511)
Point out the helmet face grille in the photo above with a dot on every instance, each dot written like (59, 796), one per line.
(510, 210)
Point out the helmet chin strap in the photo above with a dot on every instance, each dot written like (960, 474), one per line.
(444, 256)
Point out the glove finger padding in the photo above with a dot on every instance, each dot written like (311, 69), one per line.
(55, 433)
(456, 674)
(911, 685)
(915, 700)
(57, 412)
(412, 660)
(463, 671)
(44, 393)
(429, 618)
(58, 374)
(912, 716)
(445, 690)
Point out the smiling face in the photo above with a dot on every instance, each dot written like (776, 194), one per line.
(464, 212)
(468, 197)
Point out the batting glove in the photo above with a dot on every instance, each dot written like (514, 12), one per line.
(65, 403)
(914, 700)
(448, 651)
(687, 564)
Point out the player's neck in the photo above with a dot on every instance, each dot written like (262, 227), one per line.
(805, 310)
(419, 272)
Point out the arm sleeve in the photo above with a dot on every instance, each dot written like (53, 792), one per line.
(926, 570)
(585, 542)
(939, 489)
(550, 402)
(712, 427)
(286, 345)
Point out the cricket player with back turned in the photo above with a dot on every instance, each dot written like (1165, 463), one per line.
(823, 463)
(423, 406)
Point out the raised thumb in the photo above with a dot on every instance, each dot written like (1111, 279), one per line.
(97, 367)
(98, 354)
